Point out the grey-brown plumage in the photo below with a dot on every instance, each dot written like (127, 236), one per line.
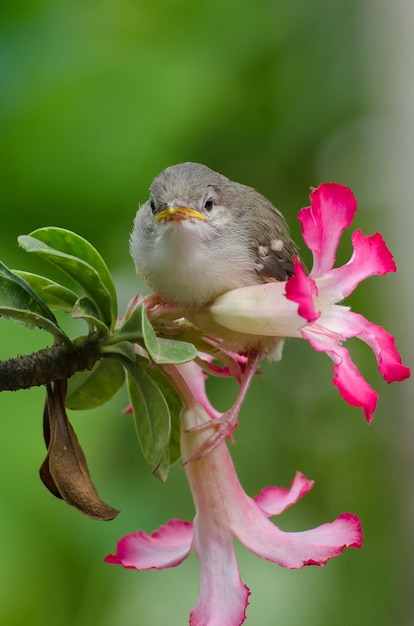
(200, 235)
(235, 237)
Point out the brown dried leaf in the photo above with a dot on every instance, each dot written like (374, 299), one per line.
(65, 471)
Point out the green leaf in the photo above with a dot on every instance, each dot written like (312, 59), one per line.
(19, 302)
(54, 295)
(163, 468)
(131, 329)
(164, 350)
(70, 243)
(151, 414)
(89, 389)
(85, 309)
(77, 258)
(121, 348)
(24, 287)
(175, 405)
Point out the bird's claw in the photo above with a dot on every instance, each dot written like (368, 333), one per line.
(223, 427)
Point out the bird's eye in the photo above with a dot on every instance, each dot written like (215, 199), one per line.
(209, 204)
(153, 207)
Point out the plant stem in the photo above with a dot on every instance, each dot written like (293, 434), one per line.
(58, 362)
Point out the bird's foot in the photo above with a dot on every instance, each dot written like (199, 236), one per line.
(223, 426)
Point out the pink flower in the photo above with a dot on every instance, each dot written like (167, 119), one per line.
(224, 510)
(307, 306)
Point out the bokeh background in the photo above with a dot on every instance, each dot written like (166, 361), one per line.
(96, 98)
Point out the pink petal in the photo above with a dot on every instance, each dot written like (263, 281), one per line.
(302, 289)
(295, 550)
(223, 598)
(195, 379)
(351, 384)
(332, 210)
(166, 547)
(370, 257)
(221, 371)
(233, 364)
(274, 500)
(383, 346)
(347, 324)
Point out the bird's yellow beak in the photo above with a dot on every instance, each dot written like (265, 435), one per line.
(178, 213)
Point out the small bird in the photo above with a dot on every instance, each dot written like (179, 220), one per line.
(200, 235)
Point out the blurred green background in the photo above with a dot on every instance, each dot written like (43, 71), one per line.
(97, 97)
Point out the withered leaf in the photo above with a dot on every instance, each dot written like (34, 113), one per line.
(44, 471)
(65, 471)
